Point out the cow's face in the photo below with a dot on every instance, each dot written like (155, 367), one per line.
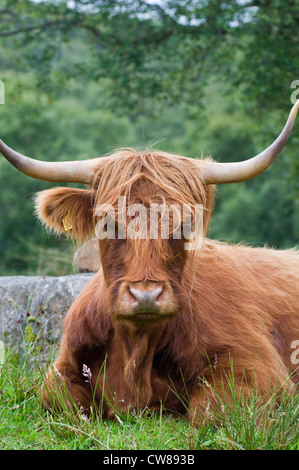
(142, 260)
(142, 209)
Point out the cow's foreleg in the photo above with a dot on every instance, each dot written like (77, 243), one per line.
(64, 390)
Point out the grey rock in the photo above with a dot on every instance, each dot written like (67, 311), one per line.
(36, 305)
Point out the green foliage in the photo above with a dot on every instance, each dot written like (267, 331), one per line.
(257, 215)
(165, 51)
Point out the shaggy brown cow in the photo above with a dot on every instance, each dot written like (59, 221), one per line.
(158, 323)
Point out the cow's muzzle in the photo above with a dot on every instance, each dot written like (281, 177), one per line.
(146, 298)
(145, 301)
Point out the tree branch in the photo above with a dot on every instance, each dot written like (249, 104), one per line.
(6, 11)
(27, 29)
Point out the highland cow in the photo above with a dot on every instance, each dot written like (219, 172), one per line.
(159, 324)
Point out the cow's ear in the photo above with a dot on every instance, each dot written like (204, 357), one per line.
(67, 210)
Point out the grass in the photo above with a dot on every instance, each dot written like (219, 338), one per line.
(25, 425)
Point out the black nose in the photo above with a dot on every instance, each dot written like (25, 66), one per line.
(143, 299)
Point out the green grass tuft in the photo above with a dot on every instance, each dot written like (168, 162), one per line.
(24, 424)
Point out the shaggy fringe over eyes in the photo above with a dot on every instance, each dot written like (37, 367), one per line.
(67, 210)
(179, 177)
(174, 180)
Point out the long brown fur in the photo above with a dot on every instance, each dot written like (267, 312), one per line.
(232, 307)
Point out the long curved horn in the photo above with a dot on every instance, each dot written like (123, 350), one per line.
(80, 171)
(218, 173)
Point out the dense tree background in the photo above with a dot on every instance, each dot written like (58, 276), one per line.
(188, 76)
